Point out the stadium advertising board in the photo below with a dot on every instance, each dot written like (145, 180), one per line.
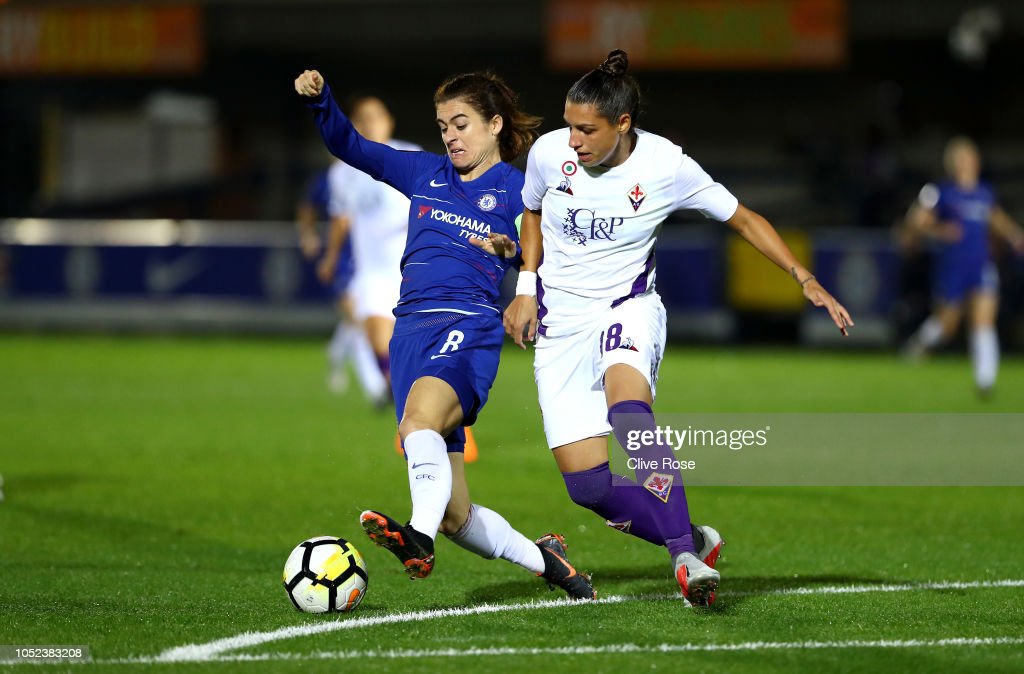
(701, 34)
(101, 40)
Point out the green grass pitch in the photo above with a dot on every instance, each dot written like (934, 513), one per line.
(153, 488)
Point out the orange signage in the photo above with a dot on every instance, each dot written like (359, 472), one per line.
(100, 40)
(698, 34)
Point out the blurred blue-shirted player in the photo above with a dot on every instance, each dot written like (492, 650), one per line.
(348, 342)
(958, 215)
(312, 210)
(463, 237)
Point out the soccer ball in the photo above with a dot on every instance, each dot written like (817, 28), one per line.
(325, 575)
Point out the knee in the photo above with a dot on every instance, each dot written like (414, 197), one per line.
(589, 488)
(414, 420)
(454, 519)
(949, 323)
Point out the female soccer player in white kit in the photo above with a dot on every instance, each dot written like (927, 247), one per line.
(373, 218)
(595, 196)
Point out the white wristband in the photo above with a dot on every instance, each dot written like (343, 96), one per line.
(527, 283)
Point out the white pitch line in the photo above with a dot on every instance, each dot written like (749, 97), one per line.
(208, 651)
(627, 649)
(608, 649)
(905, 587)
(214, 649)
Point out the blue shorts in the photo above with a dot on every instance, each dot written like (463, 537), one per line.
(458, 349)
(953, 284)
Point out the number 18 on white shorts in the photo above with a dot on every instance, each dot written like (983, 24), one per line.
(569, 369)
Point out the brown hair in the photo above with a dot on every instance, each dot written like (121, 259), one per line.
(489, 95)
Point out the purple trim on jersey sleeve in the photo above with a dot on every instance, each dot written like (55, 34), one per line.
(542, 310)
(640, 284)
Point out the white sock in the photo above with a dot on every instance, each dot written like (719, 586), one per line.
(985, 356)
(430, 480)
(929, 334)
(374, 384)
(489, 535)
(341, 344)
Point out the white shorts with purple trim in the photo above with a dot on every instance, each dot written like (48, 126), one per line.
(569, 370)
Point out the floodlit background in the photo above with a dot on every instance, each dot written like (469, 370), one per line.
(825, 115)
(167, 433)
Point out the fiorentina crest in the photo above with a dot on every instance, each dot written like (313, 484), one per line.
(660, 485)
(636, 196)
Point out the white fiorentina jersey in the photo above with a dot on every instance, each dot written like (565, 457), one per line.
(600, 225)
(379, 215)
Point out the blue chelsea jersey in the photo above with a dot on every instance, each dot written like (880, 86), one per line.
(440, 268)
(971, 210)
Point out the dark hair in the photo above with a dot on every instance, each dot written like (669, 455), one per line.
(489, 95)
(609, 88)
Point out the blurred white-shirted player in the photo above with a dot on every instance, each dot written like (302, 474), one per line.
(372, 218)
(349, 343)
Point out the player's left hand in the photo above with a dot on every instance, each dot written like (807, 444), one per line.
(499, 245)
(820, 297)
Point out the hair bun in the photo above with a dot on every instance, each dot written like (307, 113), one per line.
(616, 64)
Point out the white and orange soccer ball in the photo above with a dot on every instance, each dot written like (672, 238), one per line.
(325, 574)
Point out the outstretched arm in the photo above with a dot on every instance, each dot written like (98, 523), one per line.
(521, 315)
(762, 236)
(1004, 226)
(381, 162)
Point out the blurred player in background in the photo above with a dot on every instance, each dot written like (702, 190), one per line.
(958, 215)
(448, 336)
(596, 195)
(369, 221)
(335, 269)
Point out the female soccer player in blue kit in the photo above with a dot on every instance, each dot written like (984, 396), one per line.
(596, 194)
(463, 219)
(958, 214)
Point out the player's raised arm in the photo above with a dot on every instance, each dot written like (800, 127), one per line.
(521, 315)
(394, 167)
(761, 235)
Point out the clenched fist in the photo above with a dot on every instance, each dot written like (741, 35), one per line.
(309, 83)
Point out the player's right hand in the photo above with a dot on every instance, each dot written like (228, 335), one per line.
(326, 268)
(520, 319)
(309, 83)
(309, 244)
